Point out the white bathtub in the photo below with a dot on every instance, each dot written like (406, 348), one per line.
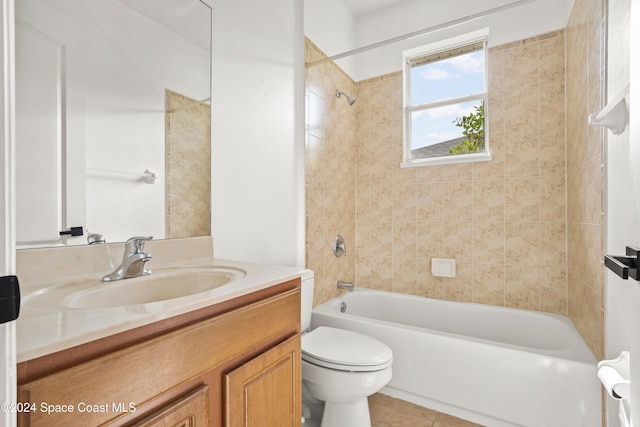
(491, 365)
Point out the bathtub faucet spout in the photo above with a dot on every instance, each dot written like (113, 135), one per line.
(344, 285)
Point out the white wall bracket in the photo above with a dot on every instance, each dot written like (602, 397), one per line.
(615, 115)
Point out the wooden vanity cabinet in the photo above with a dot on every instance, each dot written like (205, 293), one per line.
(239, 367)
(263, 391)
(191, 410)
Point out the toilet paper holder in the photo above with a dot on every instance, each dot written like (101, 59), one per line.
(614, 375)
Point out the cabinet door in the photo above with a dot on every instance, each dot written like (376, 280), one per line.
(265, 392)
(191, 410)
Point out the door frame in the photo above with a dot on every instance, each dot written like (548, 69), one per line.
(634, 145)
(8, 383)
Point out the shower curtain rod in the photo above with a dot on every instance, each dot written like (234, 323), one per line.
(422, 32)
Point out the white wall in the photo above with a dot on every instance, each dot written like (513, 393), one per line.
(328, 23)
(257, 135)
(531, 19)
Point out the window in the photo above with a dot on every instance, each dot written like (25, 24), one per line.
(445, 102)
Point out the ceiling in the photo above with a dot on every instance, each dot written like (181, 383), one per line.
(189, 18)
(361, 8)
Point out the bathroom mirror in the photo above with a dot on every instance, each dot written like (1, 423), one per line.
(112, 119)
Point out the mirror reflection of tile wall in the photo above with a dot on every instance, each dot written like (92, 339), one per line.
(188, 166)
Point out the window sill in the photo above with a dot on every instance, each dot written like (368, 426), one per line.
(447, 160)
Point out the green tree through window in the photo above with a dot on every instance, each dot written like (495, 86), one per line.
(473, 130)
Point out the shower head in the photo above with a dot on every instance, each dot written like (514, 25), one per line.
(351, 100)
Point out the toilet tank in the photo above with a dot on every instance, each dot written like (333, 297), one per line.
(306, 300)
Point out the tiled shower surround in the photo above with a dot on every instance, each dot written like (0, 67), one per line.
(506, 222)
(585, 174)
(503, 221)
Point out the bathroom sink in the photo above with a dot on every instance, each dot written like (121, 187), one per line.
(162, 285)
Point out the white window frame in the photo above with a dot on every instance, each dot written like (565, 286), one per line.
(433, 48)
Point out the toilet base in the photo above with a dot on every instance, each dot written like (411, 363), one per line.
(351, 413)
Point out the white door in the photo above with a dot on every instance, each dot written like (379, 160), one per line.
(623, 223)
(7, 222)
(634, 202)
(623, 216)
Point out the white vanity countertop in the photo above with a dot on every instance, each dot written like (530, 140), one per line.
(41, 332)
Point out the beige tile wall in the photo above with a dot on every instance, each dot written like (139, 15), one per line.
(503, 221)
(187, 167)
(330, 174)
(585, 158)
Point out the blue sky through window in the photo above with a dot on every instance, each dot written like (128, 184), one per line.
(450, 78)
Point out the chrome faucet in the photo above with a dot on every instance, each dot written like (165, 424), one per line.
(341, 284)
(133, 261)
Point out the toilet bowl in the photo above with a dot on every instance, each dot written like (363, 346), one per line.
(340, 369)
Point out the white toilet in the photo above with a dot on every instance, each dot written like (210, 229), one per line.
(340, 369)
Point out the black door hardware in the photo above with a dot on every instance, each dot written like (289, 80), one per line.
(9, 298)
(73, 231)
(624, 266)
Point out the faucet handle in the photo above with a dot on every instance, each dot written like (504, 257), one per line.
(135, 245)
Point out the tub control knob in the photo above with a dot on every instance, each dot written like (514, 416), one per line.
(339, 248)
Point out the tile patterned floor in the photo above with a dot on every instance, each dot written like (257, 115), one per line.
(389, 412)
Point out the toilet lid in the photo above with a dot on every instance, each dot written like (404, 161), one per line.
(345, 350)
